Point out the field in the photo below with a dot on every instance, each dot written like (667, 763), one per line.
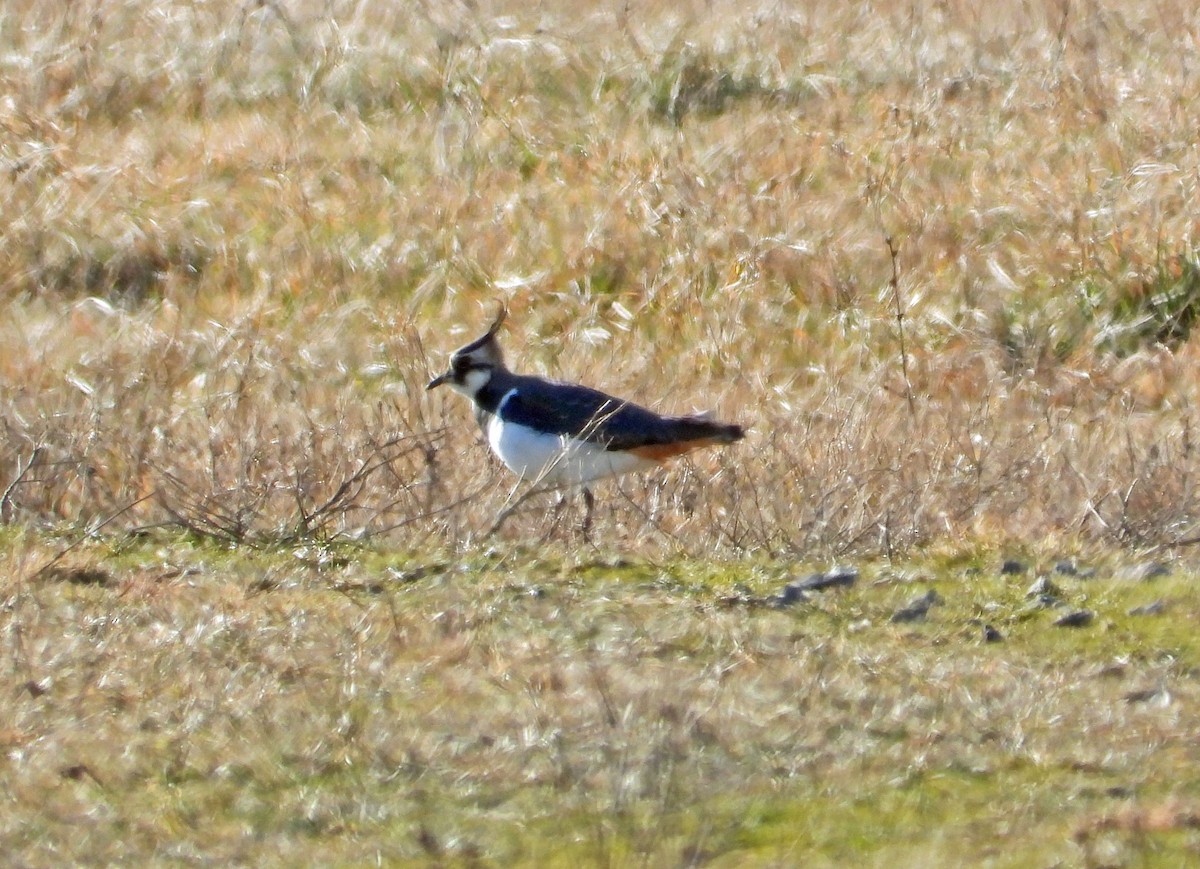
(941, 262)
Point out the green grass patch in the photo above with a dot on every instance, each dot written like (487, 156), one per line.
(263, 705)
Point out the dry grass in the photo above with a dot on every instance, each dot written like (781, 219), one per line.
(237, 237)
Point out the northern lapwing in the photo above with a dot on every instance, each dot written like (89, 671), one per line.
(564, 434)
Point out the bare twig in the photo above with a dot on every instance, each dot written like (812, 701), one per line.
(6, 506)
(62, 553)
(894, 253)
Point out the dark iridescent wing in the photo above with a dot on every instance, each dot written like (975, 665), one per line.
(590, 415)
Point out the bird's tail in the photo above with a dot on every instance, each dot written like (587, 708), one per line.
(702, 426)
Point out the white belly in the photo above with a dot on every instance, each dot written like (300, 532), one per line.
(551, 459)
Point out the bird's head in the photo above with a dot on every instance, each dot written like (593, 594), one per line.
(472, 365)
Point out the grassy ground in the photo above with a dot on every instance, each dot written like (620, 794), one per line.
(942, 263)
(196, 704)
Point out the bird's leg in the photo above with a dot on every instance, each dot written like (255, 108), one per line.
(554, 516)
(589, 507)
(559, 503)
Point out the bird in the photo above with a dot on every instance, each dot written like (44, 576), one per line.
(560, 434)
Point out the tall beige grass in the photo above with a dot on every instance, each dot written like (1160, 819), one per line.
(235, 238)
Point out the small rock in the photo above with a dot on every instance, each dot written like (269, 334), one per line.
(991, 635)
(38, 687)
(1046, 601)
(1075, 619)
(1042, 586)
(1144, 572)
(1157, 696)
(838, 577)
(79, 575)
(1156, 569)
(1011, 566)
(909, 614)
(791, 595)
(842, 574)
(1153, 608)
(917, 608)
(742, 599)
(1067, 567)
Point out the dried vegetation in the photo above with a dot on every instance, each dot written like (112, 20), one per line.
(237, 237)
(941, 259)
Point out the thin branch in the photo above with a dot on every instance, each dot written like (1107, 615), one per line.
(894, 253)
(89, 533)
(6, 505)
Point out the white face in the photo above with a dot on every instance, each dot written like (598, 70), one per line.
(473, 381)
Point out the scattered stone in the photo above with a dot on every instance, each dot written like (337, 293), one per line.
(1042, 586)
(1159, 696)
(991, 635)
(1156, 569)
(741, 598)
(838, 577)
(792, 594)
(1011, 566)
(414, 574)
(1153, 608)
(917, 608)
(37, 687)
(79, 575)
(842, 574)
(797, 590)
(368, 586)
(1075, 619)
(909, 614)
(1067, 567)
(1144, 572)
(1046, 601)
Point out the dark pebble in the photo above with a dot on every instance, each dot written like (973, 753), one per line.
(1042, 586)
(1046, 601)
(838, 577)
(1011, 566)
(843, 574)
(991, 635)
(1144, 695)
(917, 608)
(1143, 572)
(1075, 619)
(792, 594)
(1149, 609)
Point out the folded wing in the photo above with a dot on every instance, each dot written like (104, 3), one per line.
(590, 415)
